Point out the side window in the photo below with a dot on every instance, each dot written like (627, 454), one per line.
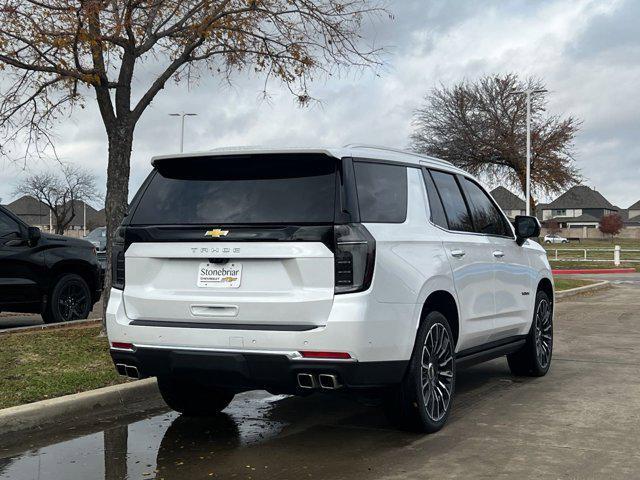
(454, 205)
(7, 225)
(486, 216)
(435, 204)
(382, 192)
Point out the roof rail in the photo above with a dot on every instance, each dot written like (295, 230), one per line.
(397, 150)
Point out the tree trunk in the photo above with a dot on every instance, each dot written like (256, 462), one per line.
(115, 452)
(120, 137)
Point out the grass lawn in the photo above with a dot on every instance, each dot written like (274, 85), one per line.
(52, 363)
(559, 265)
(567, 283)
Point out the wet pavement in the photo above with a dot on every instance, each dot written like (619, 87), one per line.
(580, 421)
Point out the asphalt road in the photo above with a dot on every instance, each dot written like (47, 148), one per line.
(10, 319)
(580, 421)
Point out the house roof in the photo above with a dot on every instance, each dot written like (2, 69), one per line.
(580, 196)
(30, 210)
(635, 206)
(585, 217)
(34, 212)
(507, 200)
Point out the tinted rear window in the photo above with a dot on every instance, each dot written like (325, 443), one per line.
(486, 216)
(454, 205)
(382, 192)
(248, 189)
(435, 204)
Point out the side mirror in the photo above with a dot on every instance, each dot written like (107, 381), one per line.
(526, 227)
(33, 235)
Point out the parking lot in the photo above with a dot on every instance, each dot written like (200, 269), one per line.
(580, 421)
(14, 319)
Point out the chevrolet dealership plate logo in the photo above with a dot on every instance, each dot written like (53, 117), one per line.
(216, 233)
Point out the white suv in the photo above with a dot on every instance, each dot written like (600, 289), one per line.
(356, 268)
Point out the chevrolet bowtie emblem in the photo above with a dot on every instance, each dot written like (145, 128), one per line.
(216, 233)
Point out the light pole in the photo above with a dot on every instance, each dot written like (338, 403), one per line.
(182, 115)
(528, 92)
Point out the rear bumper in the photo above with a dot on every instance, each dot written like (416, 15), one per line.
(369, 331)
(242, 371)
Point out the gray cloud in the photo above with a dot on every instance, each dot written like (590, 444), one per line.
(585, 51)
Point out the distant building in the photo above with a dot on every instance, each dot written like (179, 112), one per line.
(36, 213)
(633, 212)
(578, 212)
(579, 207)
(511, 204)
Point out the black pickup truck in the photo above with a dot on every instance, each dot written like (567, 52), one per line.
(58, 277)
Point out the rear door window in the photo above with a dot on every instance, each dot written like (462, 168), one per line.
(382, 192)
(455, 208)
(247, 189)
(487, 218)
(435, 204)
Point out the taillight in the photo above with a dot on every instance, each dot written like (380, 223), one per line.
(355, 251)
(117, 260)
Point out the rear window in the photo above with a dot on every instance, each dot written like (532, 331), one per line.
(454, 205)
(382, 192)
(248, 189)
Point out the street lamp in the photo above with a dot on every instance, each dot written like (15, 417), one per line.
(528, 92)
(182, 115)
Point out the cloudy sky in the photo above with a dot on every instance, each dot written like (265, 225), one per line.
(587, 52)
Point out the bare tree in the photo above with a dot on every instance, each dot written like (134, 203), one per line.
(481, 128)
(60, 191)
(55, 52)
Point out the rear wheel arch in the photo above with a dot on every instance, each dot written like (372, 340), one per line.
(443, 301)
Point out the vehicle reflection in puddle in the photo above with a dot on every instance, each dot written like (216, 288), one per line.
(144, 448)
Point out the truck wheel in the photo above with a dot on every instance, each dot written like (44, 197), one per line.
(423, 401)
(70, 299)
(191, 399)
(534, 359)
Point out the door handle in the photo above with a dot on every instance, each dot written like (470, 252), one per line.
(458, 253)
(498, 254)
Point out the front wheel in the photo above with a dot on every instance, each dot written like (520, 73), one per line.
(70, 299)
(534, 359)
(192, 399)
(423, 401)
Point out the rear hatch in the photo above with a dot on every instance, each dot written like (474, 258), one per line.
(234, 242)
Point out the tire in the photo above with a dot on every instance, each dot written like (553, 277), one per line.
(534, 359)
(191, 399)
(70, 299)
(435, 376)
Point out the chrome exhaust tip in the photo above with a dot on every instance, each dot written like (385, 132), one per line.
(329, 381)
(127, 370)
(306, 380)
(132, 372)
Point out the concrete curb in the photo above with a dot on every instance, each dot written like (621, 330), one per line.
(48, 413)
(587, 288)
(51, 326)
